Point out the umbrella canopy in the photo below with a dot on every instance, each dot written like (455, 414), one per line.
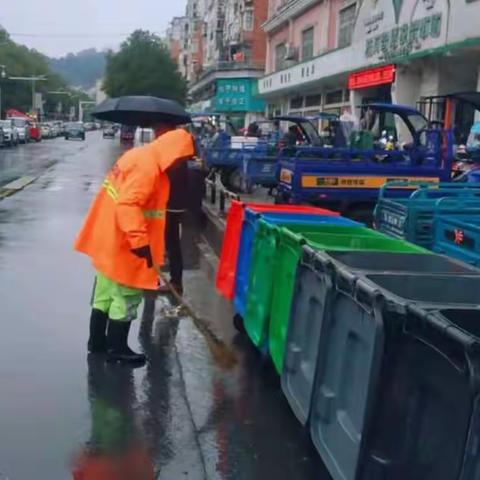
(142, 111)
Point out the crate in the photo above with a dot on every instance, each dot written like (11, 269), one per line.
(459, 237)
(412, 218)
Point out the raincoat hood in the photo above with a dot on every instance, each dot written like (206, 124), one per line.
(171, 147)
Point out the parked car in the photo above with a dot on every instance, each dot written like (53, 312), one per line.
(2, 138)
(46, 130)
(89, 126)
(75, 130)
(35, 131)
(10, 132)
(109, 132)
(23, 129)
(59, 128)
(127, 134)
(144, 135)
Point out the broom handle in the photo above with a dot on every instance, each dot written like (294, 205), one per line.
(199, 322)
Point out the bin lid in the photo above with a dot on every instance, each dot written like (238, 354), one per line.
(431, 291)
(422, 263)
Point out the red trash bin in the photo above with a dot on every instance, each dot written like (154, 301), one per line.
(225, 281)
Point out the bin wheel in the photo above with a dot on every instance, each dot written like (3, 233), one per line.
(238, 323)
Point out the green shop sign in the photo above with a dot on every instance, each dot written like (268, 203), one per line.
(403, 40)
(238, 95)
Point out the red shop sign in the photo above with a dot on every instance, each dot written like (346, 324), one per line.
(372, 77)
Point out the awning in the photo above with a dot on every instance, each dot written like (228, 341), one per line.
(12, 113)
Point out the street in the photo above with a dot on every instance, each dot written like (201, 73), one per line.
(186, 414)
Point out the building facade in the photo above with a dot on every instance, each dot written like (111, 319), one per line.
(192, 55)
(175, 37)
(324, 55)
(214, 21)
(222, 56)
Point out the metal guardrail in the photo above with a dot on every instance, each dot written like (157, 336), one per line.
(216, 194)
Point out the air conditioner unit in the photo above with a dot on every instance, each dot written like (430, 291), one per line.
(290, 52)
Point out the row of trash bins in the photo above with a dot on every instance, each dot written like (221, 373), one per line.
(444, 218)
(377, 340)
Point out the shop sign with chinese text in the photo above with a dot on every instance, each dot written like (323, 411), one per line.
(405, 39)
(238, 95)
(391, 30)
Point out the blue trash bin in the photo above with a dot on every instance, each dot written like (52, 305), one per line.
(249, 227)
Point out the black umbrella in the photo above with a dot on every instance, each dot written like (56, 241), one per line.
(142, 111)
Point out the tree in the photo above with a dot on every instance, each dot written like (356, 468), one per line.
(83, 68)
(143, 66)
(21, 61)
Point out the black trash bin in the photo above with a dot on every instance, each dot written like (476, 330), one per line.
(312, 290)
(363, 323)
(426, 420)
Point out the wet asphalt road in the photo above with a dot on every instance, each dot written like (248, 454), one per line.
(183, 416)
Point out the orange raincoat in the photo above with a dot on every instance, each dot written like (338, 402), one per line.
(129, 211)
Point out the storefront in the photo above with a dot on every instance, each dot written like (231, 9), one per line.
(400, 52)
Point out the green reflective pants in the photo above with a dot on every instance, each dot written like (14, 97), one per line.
(117, 301)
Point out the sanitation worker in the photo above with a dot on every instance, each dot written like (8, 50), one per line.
(124, 235)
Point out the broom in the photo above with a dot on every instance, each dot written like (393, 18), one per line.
(221, 353)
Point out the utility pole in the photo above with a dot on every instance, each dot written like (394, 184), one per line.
(3, 74)
(33, 79)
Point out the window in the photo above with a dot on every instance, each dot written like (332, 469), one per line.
(248, 20)
(313, 100)
(296, 103)
(346, 25)
(280, 52)
(334, 97)
(307, 44)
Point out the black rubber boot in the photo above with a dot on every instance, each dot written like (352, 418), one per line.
(118, 349)
(97, 343)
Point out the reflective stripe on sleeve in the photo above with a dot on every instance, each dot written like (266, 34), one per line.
(111, 190)
(159, 214)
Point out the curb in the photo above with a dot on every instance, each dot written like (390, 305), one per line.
(215, 226)
(15, 186)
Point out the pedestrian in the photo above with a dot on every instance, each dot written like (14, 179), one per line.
(177, 207)
(124, 235)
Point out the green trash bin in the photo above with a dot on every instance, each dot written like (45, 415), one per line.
(262, 271)
(288, 254)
